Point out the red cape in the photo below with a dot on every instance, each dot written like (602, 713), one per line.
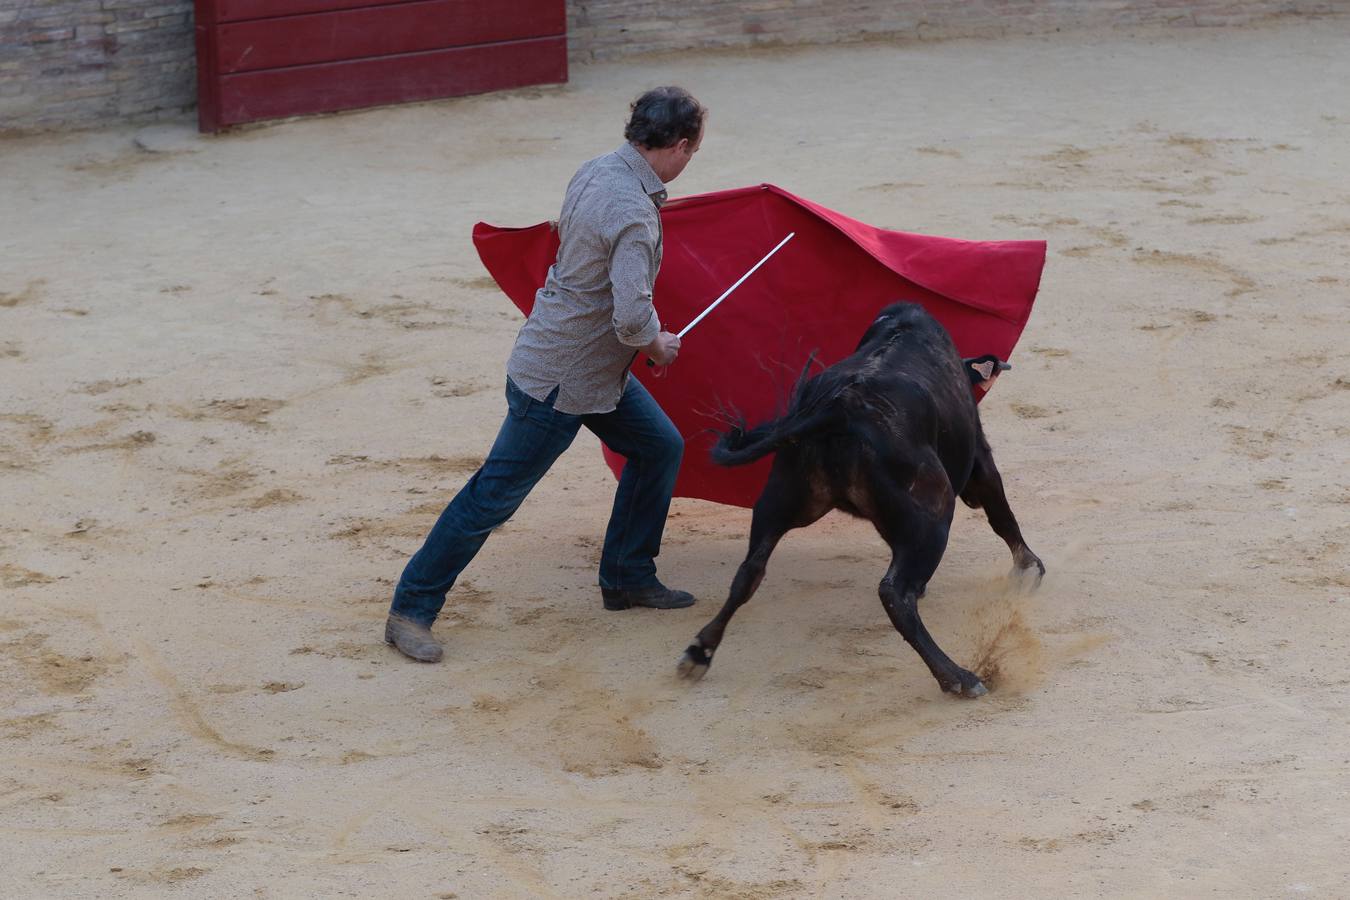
(818, 293)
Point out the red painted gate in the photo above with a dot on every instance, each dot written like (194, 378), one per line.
(263, 59)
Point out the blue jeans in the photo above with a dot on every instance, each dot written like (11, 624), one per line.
(532, 437)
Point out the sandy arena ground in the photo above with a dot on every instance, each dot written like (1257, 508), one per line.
(240, 376)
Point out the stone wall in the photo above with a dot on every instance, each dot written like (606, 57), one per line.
(74, 63)
(605, 29)
(80, 63)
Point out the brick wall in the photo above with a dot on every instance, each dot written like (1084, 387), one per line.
(78, 63)
(71, 63)
(604, 29)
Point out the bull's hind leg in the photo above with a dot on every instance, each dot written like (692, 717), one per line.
(915, 520)
(912, 564)
(984, 491)
(784, 505)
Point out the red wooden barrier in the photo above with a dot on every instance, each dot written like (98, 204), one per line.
(263, 59)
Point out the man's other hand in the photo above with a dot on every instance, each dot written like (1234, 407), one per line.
(663, 349)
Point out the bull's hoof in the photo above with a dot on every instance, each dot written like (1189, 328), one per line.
(694, 664)
(1028, 570)
(970, 688)
(1027, 578)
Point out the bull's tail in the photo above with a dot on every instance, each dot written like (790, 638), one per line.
(739, 446)
(809, 410)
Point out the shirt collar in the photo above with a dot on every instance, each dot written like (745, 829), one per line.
(652, 184)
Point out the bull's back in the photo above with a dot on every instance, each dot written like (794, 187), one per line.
(908, 363)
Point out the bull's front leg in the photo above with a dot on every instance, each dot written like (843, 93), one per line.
(985, 491)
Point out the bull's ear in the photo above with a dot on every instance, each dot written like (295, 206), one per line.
(984, 369)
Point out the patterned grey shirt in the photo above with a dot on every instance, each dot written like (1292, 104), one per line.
(595, 309)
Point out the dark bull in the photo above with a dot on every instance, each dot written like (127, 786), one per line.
(892, 435)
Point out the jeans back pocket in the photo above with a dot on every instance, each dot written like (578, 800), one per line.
(517, 401)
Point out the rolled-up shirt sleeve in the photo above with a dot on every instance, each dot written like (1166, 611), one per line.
(632, 271)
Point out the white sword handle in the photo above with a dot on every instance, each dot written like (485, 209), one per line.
(727, 292)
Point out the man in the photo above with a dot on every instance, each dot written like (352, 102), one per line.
(569, 368)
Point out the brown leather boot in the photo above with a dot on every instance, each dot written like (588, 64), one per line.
(412, 639)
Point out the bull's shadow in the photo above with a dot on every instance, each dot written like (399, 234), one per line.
(892, 435)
